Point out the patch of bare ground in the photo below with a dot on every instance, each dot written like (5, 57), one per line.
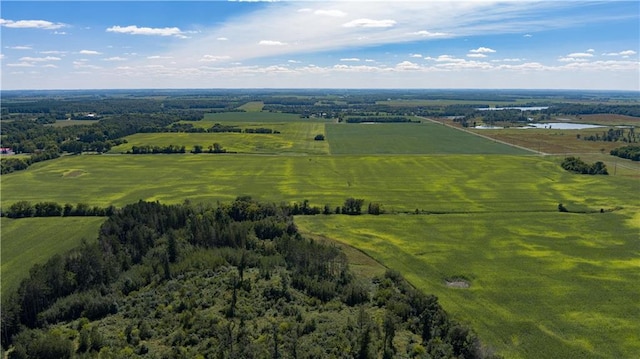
(74, 173)
(461, 284)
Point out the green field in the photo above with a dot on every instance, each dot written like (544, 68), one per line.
(409, 138)
(28, 241)
(455, 183)
(294, 138)
(542, 285)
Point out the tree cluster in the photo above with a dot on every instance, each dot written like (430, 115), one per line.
(575, 164)
(25, 209)
(614, 135)
(143, 150)
(236, 280)
(629, 152)
(380, 119)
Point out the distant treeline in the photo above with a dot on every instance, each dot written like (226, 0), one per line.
(274, 290)
(628, 152)
(588, 109)
(613, 135)
(25, 209)
(380, 119)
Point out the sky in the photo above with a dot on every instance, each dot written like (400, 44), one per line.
(320, 44)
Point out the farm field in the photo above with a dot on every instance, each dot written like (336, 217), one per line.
(294, 137)
(29, 241)
(455, 183)
(405, 138)
(543, 285)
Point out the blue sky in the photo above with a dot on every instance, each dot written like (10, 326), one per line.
(320, 44)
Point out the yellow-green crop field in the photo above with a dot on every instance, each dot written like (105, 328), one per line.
(541, 283)
(30, 241)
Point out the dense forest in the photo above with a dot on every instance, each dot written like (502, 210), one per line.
(232, 281)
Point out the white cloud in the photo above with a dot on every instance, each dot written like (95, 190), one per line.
(350, 59)
(415, 55)
(40, 59)
(333, 13)
(214, 58)
(508, 60)
(476, 55)
(482, 50)
(293, 61)
(157, 57)
(222, 38)
(115, 58)
(527, 35)
(50, 66)
(90, 52)
(21, 64)
(148, 31)
(425, 33)
(407, 65)
(369, 60)
(369, 23)
(20, 47)
(53, 52)
(1, 56)
(59, 32)
(591, 50)
(271, 43)
(580, 55)
(621, 53)
(31, 24)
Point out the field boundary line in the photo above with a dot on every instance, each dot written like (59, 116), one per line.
(483, 136)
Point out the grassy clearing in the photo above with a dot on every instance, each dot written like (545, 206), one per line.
(294, 137)
(541, 285)
(28, 241)
(406, 138)
(253, 106)
(66, 123)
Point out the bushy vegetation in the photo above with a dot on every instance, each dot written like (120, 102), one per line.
(629, 152)
(575, 164)
(236, 280)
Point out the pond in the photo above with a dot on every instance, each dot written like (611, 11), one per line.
(527, 108)
(562, 126)
(552, 126)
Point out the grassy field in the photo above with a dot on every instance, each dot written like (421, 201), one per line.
(253, 106)
(294, 138)
(542, 285)
(455, 183)
(28, 241)
(406, 138)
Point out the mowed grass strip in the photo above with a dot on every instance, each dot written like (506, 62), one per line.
(30, 241)
(402, 183)
(549, 285)
(410, 138)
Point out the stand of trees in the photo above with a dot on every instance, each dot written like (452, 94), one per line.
(614, 135)
(236, 280)
(575, 164)
(629, 152)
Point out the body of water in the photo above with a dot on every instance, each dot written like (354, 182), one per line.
(513, 108)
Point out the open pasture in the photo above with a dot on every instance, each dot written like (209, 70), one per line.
(455, 183)
(541, 285)
(29, 241)
(294, 137)
(410, 138)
